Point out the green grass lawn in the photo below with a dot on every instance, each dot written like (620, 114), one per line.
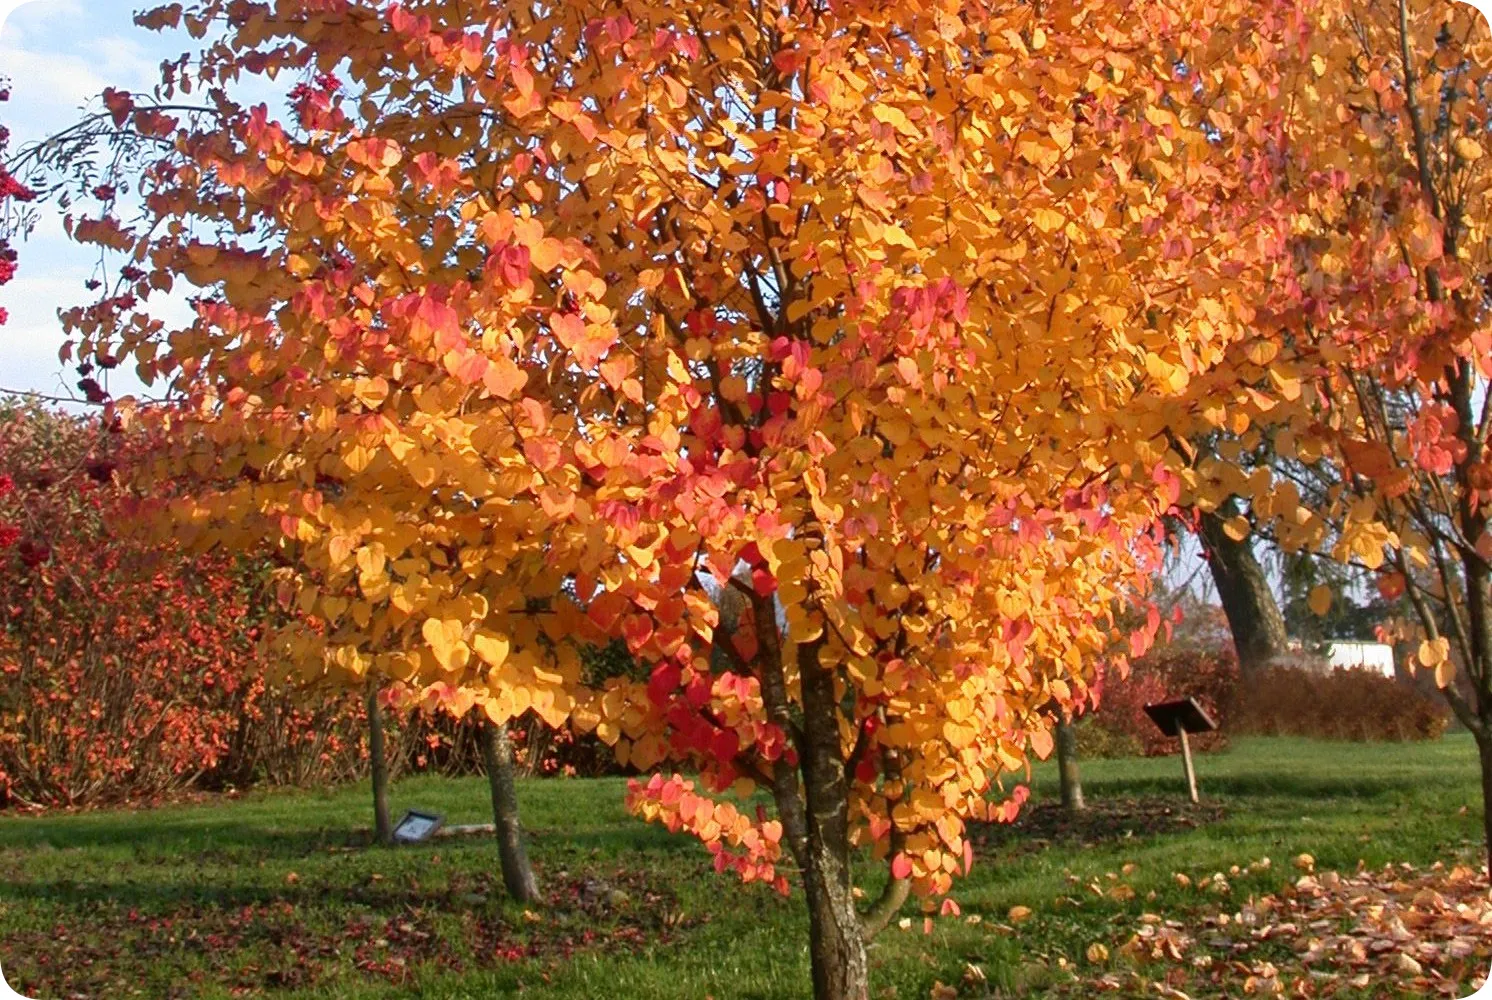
(273, 894)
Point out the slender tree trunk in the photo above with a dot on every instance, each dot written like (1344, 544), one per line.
(836, 942)
(497, 755)
(1484, 751)
(1477, 662)
(383, 828)
(1253, 614)
(1067, 766)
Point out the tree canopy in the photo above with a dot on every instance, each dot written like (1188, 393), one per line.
(536, 326)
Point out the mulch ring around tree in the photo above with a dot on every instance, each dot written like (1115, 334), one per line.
(1104, 821)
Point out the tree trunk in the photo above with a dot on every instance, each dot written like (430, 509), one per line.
(383, 828)
(836, 943)
(836, 939)
(1253, 614)
(497, 755)
(1484, 750)
(1067, 766)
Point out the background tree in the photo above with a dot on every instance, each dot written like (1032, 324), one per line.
(1382, 293)
(544, 324)
(1259, 629)
(1069, 772)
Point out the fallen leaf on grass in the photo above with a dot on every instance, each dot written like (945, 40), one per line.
(1428, 932)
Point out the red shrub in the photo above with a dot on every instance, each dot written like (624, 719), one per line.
(1341, 704)
(1169, 672)
(128, 668)
(1295, 700)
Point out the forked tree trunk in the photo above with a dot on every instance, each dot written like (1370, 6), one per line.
(383, 828)
(1253, 614)
(497, 755)
(1067, 767)
(815, 816)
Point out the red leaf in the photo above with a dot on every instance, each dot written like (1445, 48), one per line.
(901, 867)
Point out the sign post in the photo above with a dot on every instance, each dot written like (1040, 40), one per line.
(1177, 718)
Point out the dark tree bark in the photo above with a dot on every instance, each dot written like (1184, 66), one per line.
(814, 813)
(497, 755)
(836, 938)
(1484, 750)
(383, 828)
(1067, 766)
(1253, 614)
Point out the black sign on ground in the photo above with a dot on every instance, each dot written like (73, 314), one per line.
(1177, 718)
(417, 827)
(1181, 716)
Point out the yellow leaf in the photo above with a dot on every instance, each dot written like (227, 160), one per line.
(444, 637)
(1467, 148)
(339, 550)
(545, 254)
(1445, 674)
(897, 237)
(1262, 352)
(1320, 600)
(493, 649)
(1237, 528)
(1048, 220)
(1018, 913)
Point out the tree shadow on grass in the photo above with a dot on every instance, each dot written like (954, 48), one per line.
(158, 897)
(584, 886)
(1258, 786)
(167, 836)
(230, 837)
(262, 939)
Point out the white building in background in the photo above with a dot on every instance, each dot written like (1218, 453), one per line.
(1375, 656)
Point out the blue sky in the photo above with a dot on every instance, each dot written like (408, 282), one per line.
(58, 55)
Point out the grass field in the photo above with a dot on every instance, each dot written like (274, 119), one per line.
(274, 894)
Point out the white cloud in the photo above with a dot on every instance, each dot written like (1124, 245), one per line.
(9, 7)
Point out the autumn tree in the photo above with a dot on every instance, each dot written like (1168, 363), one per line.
(538, 326)
(1382, 296)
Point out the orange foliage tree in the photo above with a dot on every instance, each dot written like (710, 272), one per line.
(545, 325)
(1381, 298)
